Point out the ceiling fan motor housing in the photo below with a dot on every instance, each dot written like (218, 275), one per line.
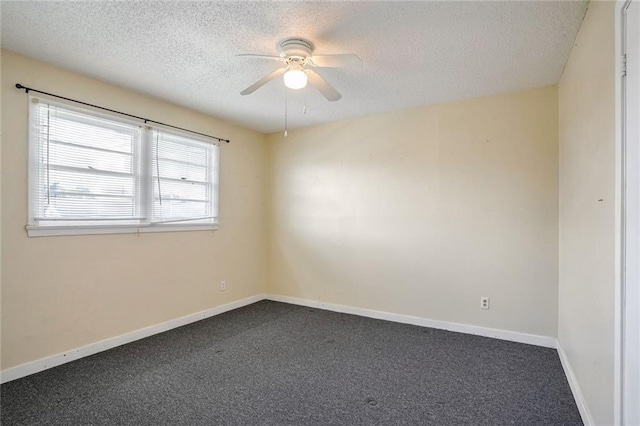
(295, 47)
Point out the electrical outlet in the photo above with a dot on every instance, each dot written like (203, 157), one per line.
(223, 285)
(484, 302)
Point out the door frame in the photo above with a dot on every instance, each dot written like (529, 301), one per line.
(627, 309)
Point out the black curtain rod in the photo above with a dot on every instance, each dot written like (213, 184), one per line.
(146, 120)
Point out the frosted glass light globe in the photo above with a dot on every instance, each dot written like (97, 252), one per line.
(295, 79)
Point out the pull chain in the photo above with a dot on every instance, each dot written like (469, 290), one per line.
(286, 99)
(304, 106)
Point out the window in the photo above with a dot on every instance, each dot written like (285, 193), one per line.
(92, 173)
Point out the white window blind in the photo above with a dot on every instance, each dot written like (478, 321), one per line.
(90, 170)
(87, 168)
(184, 176)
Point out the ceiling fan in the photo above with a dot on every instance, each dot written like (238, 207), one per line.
(299, 61)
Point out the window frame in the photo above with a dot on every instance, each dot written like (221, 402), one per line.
(144, 186)
(213, 172)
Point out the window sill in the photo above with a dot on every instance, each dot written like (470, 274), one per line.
(53, 231)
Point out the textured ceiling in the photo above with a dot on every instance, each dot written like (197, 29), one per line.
(414, 53)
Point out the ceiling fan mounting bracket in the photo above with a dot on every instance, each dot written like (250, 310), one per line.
(295, 48)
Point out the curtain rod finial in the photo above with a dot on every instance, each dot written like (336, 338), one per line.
(20, 86)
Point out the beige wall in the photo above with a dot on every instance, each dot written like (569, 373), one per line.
(60, 293)
(421, 212)
(587, 210)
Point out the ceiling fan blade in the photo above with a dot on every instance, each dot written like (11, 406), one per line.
(277, 58)
(264, 80)
(323, 87)
(335, 61)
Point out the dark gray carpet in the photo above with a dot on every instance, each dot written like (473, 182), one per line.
(277, 364)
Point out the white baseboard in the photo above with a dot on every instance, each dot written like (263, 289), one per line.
(531, 339)
(62, 358)
(575, 388)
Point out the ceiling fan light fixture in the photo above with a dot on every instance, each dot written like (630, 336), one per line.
(295, 79)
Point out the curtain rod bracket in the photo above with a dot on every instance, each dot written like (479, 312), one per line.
(146, 120)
